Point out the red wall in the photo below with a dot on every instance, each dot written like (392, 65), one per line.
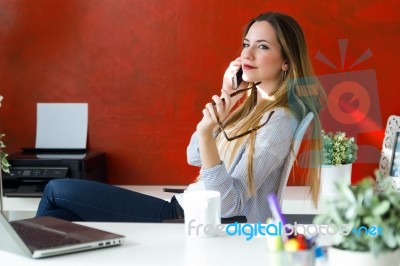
(147, 68)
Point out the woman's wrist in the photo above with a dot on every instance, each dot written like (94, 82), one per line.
(206, 130)
(208, 151)
(205, 135)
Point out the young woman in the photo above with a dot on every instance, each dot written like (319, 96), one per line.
(240, 144)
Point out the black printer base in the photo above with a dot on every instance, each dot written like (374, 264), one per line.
(31, 191)
(29, 172)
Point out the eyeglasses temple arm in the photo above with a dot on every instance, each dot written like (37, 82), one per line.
(240, 91)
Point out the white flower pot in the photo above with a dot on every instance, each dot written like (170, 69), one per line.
(339, 257)
(331, 174)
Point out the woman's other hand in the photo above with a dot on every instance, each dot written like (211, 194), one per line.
(219, 108)
(215, 111)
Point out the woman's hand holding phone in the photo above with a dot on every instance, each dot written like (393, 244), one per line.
(229, 75)
(233, 79)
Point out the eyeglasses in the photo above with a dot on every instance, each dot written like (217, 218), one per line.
(244, 133)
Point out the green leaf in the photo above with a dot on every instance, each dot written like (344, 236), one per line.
(347, 193)
(3, 156)
(382, 208)
(351, 212)
(389, 238)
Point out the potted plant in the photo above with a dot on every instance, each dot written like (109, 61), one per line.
(363, 207)
(5, 166)
(339, 153)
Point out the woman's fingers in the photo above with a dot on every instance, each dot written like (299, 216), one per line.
(211, 111)
(219, 103)
(235, 66)
(227, 99)
(236, 63)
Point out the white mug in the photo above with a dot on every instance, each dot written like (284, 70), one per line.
(202, 213)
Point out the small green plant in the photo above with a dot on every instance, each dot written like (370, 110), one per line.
(5, 166)
(338, 148)
(365, 205)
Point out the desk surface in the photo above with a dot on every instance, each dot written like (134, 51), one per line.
(296, 199)
(160, 244)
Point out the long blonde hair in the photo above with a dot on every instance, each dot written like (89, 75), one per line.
(299, 91)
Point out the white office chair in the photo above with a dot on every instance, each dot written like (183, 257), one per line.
(296, 143)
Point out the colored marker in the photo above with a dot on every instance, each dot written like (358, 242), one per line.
(277, 212)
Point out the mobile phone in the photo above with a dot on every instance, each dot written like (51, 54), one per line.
(237, 79)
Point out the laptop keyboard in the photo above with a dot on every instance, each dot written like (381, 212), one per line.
(41, 239)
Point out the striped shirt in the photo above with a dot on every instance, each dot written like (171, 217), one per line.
(272, 146)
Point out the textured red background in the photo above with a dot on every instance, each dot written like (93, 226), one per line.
(147, 68)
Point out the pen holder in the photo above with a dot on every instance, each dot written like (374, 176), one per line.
(296, 258)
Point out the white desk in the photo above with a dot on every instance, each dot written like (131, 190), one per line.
(296, 200)
(160, 244)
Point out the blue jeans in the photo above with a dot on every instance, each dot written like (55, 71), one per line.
(82, 200)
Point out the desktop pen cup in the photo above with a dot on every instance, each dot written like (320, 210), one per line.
(278, 256)
(202, 213)
(296, 258)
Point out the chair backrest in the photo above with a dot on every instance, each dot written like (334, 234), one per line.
(295, 146)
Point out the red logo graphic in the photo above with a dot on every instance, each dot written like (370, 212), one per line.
(353, 102)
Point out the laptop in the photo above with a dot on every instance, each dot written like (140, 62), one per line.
(41, 237)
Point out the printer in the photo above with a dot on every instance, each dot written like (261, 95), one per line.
(31, 170)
